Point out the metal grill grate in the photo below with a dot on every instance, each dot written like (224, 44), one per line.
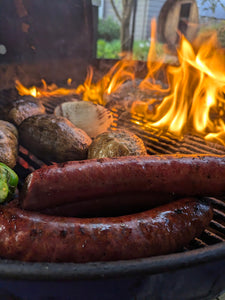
(156, 142)
(164, 143)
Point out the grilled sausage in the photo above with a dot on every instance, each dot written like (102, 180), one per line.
(112, 205)
(29, 236)
(171, 175)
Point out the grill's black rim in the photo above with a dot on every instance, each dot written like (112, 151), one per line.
(10, 269)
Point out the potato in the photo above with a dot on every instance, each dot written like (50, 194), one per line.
(116, 143)
(8, 143)
(24, 108)
(53, 138)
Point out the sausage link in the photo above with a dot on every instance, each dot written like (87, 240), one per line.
(112, 205)
(174, 176)
(30, 236)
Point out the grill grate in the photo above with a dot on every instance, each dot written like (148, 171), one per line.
(156, 142)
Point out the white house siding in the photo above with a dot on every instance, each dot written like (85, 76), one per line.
(146, 10)
(108, 10)
(153, 12)
(141, 16)
(142, 20)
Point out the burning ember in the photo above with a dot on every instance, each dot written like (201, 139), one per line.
(193, 102)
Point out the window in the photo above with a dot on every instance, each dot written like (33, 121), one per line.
(184, 17)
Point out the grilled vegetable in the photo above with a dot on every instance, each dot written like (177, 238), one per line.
(8, 143)
(8, 183)
(54, 138)
(4, 191)
(116, 143)
(24, 108)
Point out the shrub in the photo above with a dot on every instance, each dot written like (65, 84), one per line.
(140, 50)
(112, 49)
(108, 49)
(219, 27)
(108, 29)
(221, 33)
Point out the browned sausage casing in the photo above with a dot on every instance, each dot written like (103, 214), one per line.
(30, 236)
(170, 175)
(112, 205)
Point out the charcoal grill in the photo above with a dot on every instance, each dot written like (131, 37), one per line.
(197, 272)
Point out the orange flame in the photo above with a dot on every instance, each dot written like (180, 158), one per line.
(194, 100)
(196, 89)
(122, 71)
(153, 64)
(45, 91)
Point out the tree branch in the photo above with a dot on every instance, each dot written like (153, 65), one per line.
(127, 9)
(116, 10)
(212, 4)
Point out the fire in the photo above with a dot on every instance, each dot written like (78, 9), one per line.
(45, 90)
(196, 91)
(194, 101)
(122, 71)
(153, 65)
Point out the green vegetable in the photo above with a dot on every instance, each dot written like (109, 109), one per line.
(8, 183)
(4, 191)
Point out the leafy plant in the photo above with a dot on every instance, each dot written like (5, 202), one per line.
(221, 33)
(140, 50)
(112, 49)
(219, 27)
(108, 49)
(108, 29)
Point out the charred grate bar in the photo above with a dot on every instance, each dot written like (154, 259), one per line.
(158, 142)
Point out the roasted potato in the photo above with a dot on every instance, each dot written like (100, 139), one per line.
(116, 143)
(8, 143)
(53, 138)
(23, 108)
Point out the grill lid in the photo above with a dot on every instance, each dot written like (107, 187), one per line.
(46, 39)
